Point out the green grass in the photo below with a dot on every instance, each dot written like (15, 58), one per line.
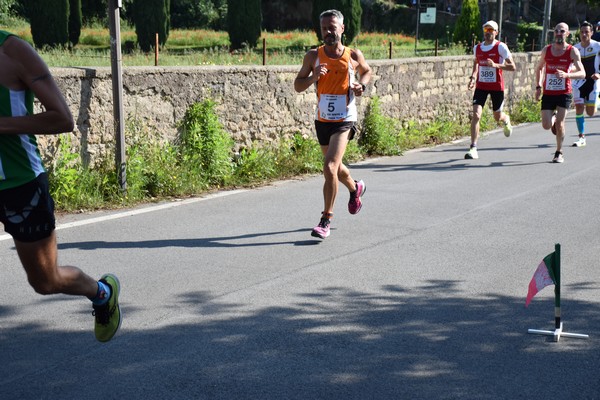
(206, 47)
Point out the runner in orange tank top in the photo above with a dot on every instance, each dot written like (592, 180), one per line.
(333, 69)
(559, 63)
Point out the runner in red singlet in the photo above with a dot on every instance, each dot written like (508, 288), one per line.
(491, 58)
(559, 63)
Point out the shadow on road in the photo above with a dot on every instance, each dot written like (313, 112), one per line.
(424, 342)
(216, 242)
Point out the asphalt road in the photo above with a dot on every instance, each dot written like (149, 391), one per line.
(419, 296)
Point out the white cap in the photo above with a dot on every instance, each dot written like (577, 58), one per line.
(493, 24)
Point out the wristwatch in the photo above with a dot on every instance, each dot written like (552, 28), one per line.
(363, 86)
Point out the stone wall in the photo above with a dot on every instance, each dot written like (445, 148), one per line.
(258, 103)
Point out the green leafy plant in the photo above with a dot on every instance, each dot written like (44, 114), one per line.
(379, 135)
(204, 145)
(525, 109)
(202, 157)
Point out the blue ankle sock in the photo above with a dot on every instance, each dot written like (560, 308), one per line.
(580, 119)
(102, 295)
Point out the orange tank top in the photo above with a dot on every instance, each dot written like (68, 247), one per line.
(334, 96)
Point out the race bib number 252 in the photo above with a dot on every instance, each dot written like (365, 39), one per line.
(554, 83)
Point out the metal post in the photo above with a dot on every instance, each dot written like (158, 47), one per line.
(264, 51)
(117, 88)
(546, 25)
(417, 29)
(500, 10)
(156, 49)
(557, 286)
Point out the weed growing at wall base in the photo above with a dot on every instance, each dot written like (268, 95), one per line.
(202, 158)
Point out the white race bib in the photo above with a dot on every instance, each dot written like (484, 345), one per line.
(487, 74)
(555, 83)
(332, 106)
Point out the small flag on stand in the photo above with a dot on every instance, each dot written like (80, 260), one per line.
(544, 276)
(548, 273)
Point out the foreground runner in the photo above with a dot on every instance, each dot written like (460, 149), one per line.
(26, 208)
(332, 68)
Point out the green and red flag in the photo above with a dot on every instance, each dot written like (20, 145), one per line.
(544, 275)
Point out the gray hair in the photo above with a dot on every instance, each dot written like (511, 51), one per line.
(332, 13)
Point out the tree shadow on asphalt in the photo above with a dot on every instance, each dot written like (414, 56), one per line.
(246, 240)
(454, 164)
(427, 342)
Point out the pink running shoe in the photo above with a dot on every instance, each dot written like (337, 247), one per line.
(354, 204)
(321, 230)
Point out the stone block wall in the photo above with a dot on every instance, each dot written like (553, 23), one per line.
(258, 103)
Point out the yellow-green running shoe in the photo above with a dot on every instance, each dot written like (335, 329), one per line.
(108, 316)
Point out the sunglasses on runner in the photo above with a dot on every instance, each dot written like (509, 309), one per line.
(560, 30)
(488, 30)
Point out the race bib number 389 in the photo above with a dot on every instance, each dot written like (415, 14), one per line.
(332, 106)
(487, 74)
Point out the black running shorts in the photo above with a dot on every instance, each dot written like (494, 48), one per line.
(327, 129)
(27, 211)
(554, 101)
(497, 96)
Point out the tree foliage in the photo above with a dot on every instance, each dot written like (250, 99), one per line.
(244, 20)
(205, 14)
(151, 17)
(468, 26)
(49, 20)
(74, 21)
(350, 9)
(94, 10)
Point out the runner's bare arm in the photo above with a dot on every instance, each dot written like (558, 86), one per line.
(473, 77)
(539, 68)
(307, 75)
(363, 69)
(578, 72)
(25, 69)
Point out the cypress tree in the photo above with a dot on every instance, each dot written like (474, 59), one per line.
(94, 10)
(74, 21)
(244, 21)
(468, 24)
(151, 17)
(350, 9)
(49, 20)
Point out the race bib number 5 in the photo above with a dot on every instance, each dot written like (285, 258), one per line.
(554, 83)
(332, 106)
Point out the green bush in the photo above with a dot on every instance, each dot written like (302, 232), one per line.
(203, 14)
(379, 135)
(525, 109)
(529, 33)
(205, 147)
